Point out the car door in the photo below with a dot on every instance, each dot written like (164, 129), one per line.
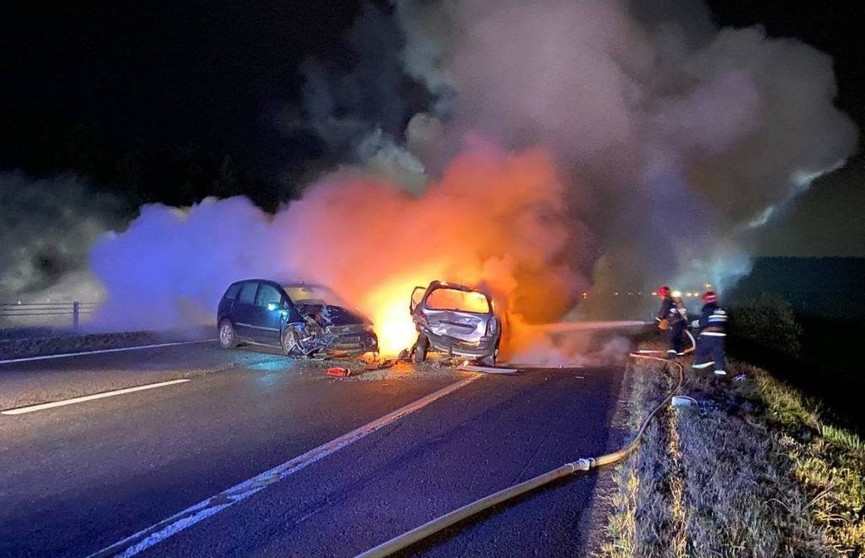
(270, 312)
(416, 297)
(244, 311)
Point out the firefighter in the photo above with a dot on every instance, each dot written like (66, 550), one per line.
(713, 330)
(669, 318)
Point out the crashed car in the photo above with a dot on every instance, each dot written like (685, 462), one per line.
(456, 320)
(304, 320)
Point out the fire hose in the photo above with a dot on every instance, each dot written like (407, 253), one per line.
(583, 464)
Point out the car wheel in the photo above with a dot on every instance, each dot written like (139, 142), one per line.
(491, 359)
(290, 342)
(227, 337)
(421, 348)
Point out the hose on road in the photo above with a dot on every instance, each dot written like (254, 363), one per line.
(584, 464)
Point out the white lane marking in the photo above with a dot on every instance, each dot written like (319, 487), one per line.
(82, 399)
(146, 538)
(101, 351)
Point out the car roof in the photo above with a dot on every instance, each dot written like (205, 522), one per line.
(456, 286)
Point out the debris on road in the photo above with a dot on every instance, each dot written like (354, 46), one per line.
(487, 369)
(338, 371)
(380, 364)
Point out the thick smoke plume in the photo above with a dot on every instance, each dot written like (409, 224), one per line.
(494, 219)
(46, 229)
(680, 138)
(633, 146)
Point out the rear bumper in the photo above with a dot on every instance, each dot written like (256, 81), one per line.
(442, 343)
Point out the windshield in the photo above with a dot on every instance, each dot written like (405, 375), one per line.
(313, 294)
(462, 301)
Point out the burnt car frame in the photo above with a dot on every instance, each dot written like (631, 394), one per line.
(456, 320)
(302, 319)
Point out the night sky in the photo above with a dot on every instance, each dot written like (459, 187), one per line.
(158, 100)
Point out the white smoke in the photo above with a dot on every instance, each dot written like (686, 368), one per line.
(671, 140)
(46, 229)
(679, 136)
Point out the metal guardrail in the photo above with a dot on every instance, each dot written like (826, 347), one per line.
(45, 313)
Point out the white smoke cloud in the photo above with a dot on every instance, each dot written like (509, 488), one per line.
(47, 228)
(678, 135)
(171, 265)
(671, 138)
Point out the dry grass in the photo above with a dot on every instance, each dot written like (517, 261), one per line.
(755, 470)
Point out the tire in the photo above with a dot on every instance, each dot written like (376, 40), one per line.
(421, 348)
(290, 342)
(225, 334)
(491, 359)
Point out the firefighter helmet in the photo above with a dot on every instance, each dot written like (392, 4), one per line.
(664, 290)
(709, 296)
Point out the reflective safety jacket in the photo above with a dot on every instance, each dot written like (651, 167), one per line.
(713, 320)
(670, 311)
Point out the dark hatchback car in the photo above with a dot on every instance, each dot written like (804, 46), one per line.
(302, 319)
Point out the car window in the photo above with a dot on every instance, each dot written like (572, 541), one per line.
(247, 292)
(313, 294)
(268, 294)
(232, 291)
(417, 294)
(454, 299)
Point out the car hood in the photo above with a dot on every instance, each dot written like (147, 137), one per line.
(335, 315)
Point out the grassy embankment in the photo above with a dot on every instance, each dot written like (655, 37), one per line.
(755, 469)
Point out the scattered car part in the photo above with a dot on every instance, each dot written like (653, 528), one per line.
(488, 369)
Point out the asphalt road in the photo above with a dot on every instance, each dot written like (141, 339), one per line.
(79, 478)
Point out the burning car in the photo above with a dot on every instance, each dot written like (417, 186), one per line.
(456, 320)
(304, 320)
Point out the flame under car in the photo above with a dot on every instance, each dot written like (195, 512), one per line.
(456, 320)
(303, 320)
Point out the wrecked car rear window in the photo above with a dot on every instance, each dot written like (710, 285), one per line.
(462, 301)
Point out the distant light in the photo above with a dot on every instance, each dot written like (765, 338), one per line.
(616, 294)
(677, 294)
(654, 293)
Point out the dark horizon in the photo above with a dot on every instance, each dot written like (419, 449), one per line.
(100, 88)
(166, 103)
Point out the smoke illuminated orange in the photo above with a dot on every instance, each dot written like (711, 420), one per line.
(496, 221)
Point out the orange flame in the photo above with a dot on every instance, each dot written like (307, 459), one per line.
(388, 308)
(496, 221)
